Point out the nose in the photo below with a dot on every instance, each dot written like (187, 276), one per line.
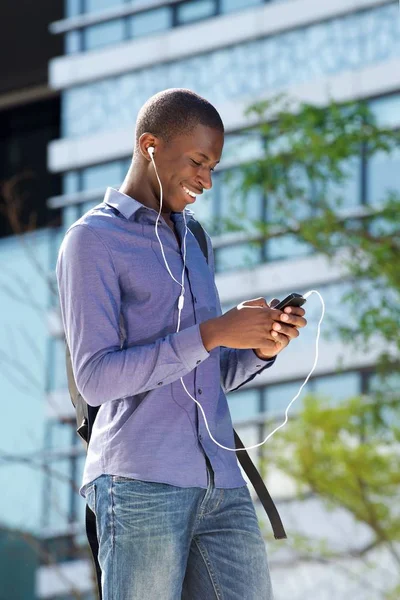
(205, 178)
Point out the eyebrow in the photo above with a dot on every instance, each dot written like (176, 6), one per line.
(205, 156)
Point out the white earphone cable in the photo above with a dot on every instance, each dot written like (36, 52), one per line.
(180, 306)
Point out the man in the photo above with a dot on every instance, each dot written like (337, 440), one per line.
(174, 515)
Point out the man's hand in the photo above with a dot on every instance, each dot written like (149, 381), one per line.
(281, 330)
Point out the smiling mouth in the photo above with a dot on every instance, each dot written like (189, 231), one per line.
(189, 192)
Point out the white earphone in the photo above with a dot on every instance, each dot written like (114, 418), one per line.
(181, 301)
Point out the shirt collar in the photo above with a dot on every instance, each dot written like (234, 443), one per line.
(128, 206)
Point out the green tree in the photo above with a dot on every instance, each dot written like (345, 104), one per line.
(345, 455)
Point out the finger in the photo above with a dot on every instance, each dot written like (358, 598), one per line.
(274, 302)
(293, 321)
(287, 330)
(295, 310)
(280, 339)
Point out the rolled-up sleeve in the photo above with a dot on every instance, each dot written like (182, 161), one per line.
(90, 304)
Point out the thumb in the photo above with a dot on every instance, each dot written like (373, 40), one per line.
(274, 302)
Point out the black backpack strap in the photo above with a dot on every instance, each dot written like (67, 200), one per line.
(244, 458)
(261, 490)
(200, 236)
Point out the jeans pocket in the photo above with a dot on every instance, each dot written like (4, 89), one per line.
(117, 478)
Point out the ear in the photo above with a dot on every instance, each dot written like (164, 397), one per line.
(145, 141)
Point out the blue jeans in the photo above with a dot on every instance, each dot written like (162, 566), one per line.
(161, 542)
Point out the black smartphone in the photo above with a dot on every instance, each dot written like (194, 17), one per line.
(291, 300)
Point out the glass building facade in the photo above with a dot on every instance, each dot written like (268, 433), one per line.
(123, 26)
(246, 69)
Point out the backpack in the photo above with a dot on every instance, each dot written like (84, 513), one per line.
(86, 415)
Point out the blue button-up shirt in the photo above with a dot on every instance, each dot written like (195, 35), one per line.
(119, 307)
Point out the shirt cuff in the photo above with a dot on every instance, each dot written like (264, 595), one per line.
(190, 347)
(252, 362)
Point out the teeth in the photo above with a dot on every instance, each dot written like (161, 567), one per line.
(189, 192)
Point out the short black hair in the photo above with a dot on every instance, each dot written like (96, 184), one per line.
(173, 112)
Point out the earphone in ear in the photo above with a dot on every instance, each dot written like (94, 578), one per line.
(150, 150)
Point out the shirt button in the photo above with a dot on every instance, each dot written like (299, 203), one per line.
(159, 383)
(258, 365)
(198, 362)
(200, 437)
(199, 391)
(195, 299)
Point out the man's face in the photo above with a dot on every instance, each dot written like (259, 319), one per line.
(186, 161)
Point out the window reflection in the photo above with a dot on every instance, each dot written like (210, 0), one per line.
(102, 34)
(233, 5)
(195, 10)
(70, 182)
(286, 246)
(384, 390)
(347, 193)
(387, 110)
(99, 5)
(150, 22)
(279, 396)
(234, 258)
(72, 8)
(102, 176)
(336, 388)
(203, 208)
(243, 404)
(73, 42)
(242, 147)
(390, 382)
(70, 215)
(333, 390)
(238, 209)
(383, 176)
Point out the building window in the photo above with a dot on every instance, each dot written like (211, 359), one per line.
(279, 396)
(72, 8)
(73, 42)
(70, 215)
(92, 6)
(195, 10)
(386, 390)
(102, 176)
(383, 176)
(387, 110)
(103, 34)
(244, 404)
(289, 245)
(346, 194)
(335, 389)
(149, 22)
(71, 182)
(228, 6)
